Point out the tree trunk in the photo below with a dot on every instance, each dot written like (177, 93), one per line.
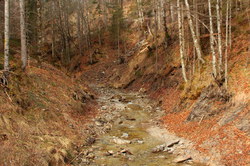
(156, 35)
(140, 13)
(180, 27)
(219, 35)
(167, 36)
(212, 39)
(79, 33)
(227, 43)
(195, 39)
(53, 30)
(171, 11)
(197, 24)
(6, 34)
(23, 35)
(39, 29)
(230, 24)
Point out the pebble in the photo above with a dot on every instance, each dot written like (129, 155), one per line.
(182, 159)
(91, 156)
(98, 123)
(124, 135)
(121, 141)
(140, 142)
(125, 151)
(104, 108)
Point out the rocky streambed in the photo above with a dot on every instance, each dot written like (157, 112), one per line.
(127, 132)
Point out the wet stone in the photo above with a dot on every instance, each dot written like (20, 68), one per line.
(104, 107)
(124, 135)
(121, 141)
(182, 159)
(98, 123)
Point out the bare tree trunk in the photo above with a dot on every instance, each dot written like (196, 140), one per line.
(180, 27)
(23, 35)
(99, 24)
(197, 24)
(227, 43)
(6, 35)
(212, 39)
(219, 35)
(156, 35)
(140, 12)
(53, 31)
(1, 41)
(79, 33)
(118, 38)
(194, 61)
(40, 29)
(230, 25)
(183, 28)
(171, 11)
(167, 36)
(194, 36)
(105, 14)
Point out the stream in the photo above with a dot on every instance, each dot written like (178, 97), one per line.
(134, 136)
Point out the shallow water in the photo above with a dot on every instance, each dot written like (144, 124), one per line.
(135, 123)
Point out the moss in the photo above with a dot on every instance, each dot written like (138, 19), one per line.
(138, 73)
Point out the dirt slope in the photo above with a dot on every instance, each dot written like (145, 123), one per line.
(42, 116)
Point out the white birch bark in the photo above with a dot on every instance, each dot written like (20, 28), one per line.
(180, 27)
(6, 35)
(230, 24)
(219, 35)
(197, 23)
(227, 44)
(212, 40)
(171, 12)
(23, 35)
(194, 36)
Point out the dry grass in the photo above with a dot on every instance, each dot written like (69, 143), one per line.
(44, 121)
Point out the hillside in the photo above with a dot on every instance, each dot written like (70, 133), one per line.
(43, 113)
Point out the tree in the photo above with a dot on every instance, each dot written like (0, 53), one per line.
(167, 36)
(31, 23)
(194, 36)
(117, 24)
(212, 40)
(23, 35)
(218, 11)
(227, 42)
(79, 27)
(181, 36)
(6, 35)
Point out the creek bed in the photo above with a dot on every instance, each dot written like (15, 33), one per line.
(129, 143)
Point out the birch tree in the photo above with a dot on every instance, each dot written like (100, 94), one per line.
(180, 27)
(194, 36)
(212, 40)
(156, 33)
(6, 34)
(227, 43)
(23, 35)
(218, 9)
